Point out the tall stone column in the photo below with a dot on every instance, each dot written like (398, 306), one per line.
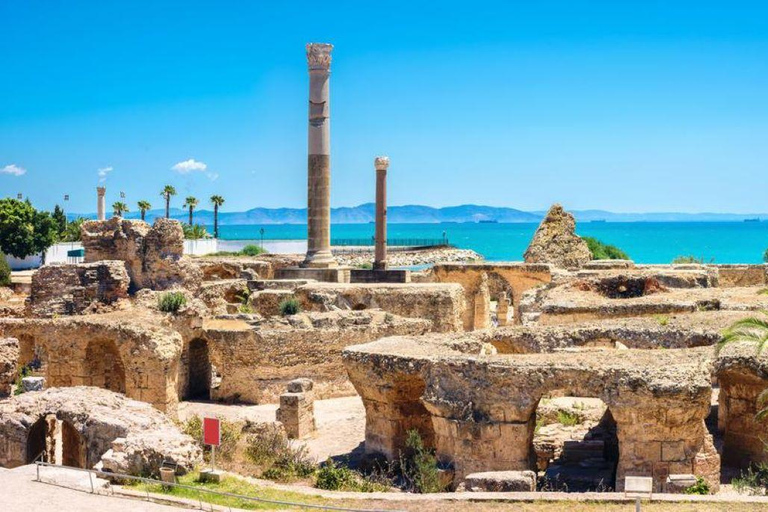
(101, 206)
(319, 161)
(380, 256)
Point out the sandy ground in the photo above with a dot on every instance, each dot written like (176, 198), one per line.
(340, 422)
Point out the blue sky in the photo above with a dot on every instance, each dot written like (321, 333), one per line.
(625, 106)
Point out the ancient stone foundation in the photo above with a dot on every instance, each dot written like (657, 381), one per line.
(9, 357)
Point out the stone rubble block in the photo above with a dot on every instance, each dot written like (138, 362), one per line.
(499, 481)
(297, 409)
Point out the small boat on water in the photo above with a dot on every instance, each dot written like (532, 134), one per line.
(602, 221)
(752, 220)
(488, 221)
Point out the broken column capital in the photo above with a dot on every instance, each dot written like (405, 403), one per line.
(381, 163)
(319, 56)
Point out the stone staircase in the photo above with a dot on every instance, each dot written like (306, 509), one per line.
(582, 466)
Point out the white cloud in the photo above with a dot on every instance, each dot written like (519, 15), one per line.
(14, 170)
(103, 173)
(188, 166)
(213, 176)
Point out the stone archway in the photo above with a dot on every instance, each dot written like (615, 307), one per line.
(37, 440)
(104, 367)
(199, 372)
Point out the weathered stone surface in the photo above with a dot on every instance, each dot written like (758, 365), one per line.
(499, 481)
(215, 268)
(80, 288)
(153, 256)
(256, 362)
(297, 409)
(9, 357)
(677, 484)
(478, 409)
(267, 302)
(102, 429)
(511, 278)
(125, 352)
(442, 304)
(556, 242)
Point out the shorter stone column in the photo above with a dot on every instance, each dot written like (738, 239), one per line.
(297, 409)
(380, 257)
(101, 205)
(482, 304)
(502, 309)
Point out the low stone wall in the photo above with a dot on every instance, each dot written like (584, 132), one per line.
(215, 268)
(74, 289)
(512, 278)
(442, 304)
(479, 413)
(102, 429)
(257, 362)
(742, 275)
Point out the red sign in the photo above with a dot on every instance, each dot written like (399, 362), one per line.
(211, 431)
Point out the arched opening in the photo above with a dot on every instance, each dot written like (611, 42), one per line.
(199, 370)
(359, 307)
(73, 448)
(575, 443)
(37, 445)
(104, 366)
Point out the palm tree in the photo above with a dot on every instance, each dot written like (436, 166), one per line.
(144, 206)
(217, 201)
(119, 208)
(190, 202)
(752, 330)
(167, 192)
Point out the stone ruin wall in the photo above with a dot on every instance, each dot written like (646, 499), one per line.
(481, 416)
(512, 278)
(153, 255)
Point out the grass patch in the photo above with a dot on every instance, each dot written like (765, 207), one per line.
(338, 477)
(568, 418)
(232, 485)
(663, 320)
(248, 250)
(700, 487)
(690, 259)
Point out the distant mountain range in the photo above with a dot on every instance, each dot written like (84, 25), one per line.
(411, 214)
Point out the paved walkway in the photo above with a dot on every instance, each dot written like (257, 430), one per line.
(19, 492)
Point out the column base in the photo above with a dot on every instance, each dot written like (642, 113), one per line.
(325, 275)
(380, 265)
(319, 259)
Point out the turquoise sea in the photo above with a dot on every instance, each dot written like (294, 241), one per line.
(645, 242)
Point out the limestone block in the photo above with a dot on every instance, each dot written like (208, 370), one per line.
(267, 302)
(297, 414)
(499, 481)
(300, 385)
(677, 484)
(32, 384)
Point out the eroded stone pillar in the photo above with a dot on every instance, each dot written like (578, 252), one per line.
(319, 161)
(101, 206)
(502, 309)
(380, 257)
(482, 304)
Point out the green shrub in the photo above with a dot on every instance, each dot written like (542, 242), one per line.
(5, 272)
(338, 477)
(171, 302)
(601, 251)
(25, 371)
(418, 465)
(196, 232)
(252, 250)
(365, 265)
(279, 459)
(700, 487)
(289, 306)
(765, 256)
(752, 481)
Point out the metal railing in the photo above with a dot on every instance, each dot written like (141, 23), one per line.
(391, 242)
(199, 490)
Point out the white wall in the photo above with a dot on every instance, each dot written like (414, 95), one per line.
(57, 253)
